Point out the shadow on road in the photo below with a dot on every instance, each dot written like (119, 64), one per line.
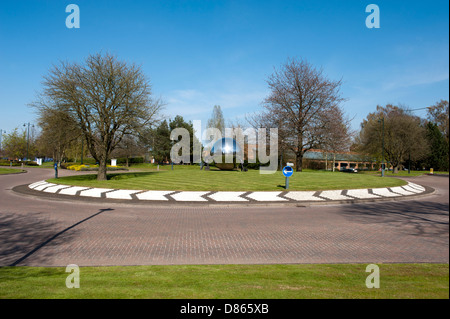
(417, 218)
(21, 236)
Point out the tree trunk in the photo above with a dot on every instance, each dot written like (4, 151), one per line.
(299, 164)
(101, 175)
(395, 169)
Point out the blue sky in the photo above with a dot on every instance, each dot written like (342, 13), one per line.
(201, 53)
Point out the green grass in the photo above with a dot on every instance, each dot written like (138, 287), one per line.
(397, 281)
(10, 171)
(192, 178)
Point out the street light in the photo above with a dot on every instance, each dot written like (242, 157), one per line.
(28, 136)
(382, 147)
(1, 145)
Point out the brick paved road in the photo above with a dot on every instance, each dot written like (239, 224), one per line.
(45, 232)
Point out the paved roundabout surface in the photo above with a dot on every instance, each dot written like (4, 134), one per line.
(48, 225)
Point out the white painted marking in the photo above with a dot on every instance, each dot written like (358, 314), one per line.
(54, 189)
(302, 196)
(36, 184)
(95, 192)
(361, 193)
(334, 195)
(384, 192)
(418, 187)
(401, 191)
(190, 196)
(72, 190)
(42, 186)
(121, 194)
(412, 189)
(228, 197)
(266, 196)
(153, 195)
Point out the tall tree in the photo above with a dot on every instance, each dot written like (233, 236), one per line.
(338, 135)
(217, 120)
(438, 155)
(59, 132)
(300, 98)
(14, 144)
(403, 135)
(108, 98)
(438, 114)
(161, 142)
(179, 122)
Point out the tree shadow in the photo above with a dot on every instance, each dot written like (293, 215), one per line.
(23, 235)
(417, 218)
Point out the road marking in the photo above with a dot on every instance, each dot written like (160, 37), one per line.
(418, 187)
(153, 195)
(400, 190)
(42, 186)
(54, 189)
(266, 196)
(361, 193)
(334, 195)
(190, 196)
(228, 197)
(94, 192)
(384, 192)
(121, 194)
(72, 190)
(32, 186)
(302, 196)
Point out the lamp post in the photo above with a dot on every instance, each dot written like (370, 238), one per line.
(1, 140)
(1, 135)
(382, 147)
(28, 136)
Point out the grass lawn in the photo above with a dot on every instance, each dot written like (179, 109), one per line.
(10, 171)
(397, 281)
(190, 178)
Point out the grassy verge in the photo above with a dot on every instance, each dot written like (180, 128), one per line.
(397, 281)
(10, 171)
(192, 178)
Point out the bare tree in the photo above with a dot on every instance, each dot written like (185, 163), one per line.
(338, 134)
(59, 132)
(217, 120)
(299, 105)
(108, 98)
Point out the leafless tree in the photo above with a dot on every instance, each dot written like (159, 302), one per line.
(108, 98)
(59, 132)
(338, 134)
(301, 103)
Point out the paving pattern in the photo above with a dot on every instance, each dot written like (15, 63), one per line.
(410, 189)
(55, 225)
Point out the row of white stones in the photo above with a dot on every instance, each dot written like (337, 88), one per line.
(202, 196)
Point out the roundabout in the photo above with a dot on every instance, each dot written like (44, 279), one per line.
(42, 227)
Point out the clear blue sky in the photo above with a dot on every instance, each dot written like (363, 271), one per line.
(201, 53)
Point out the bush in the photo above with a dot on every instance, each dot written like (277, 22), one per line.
(131, 160)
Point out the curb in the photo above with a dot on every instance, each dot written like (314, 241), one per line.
(224, 199)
